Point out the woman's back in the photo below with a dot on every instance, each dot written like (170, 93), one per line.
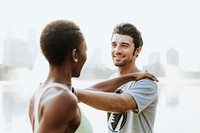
(57, 110)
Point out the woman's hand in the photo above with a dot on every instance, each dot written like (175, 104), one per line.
(141, 75)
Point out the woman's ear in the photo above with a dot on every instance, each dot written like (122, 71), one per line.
(74, 55)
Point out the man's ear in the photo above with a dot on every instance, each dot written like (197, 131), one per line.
(137, 51)
(74, 55)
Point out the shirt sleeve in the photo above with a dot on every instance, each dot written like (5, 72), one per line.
(144, 92)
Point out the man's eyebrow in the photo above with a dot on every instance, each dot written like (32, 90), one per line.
(125, 43)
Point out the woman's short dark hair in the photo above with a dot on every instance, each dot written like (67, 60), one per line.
(58, 39)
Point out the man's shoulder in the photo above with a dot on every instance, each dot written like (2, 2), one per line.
(146, 82)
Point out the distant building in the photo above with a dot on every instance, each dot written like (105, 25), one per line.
(155, 66)
(172, 57)
(154, 58)
(94, 68)
(95, 60)
(31, 42)
(18, 53)
(172, 69)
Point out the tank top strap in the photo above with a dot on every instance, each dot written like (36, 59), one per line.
(58, 85)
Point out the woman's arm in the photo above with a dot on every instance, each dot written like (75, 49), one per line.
(111, 84)
(113, 102)
(106, 101)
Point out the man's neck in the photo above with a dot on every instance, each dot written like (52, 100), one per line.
(123, 70)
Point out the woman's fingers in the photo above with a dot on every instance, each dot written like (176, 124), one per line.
(151, 76)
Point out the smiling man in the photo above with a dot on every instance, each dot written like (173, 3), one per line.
(139, 112)
(132, 106)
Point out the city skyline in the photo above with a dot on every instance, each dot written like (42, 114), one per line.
(15, 48)
(97, 53)
(163, 24)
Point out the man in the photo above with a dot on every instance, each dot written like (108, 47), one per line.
(132, 108)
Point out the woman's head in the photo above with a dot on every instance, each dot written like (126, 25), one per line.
(61, 41)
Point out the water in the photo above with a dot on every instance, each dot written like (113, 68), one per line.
(178, 108)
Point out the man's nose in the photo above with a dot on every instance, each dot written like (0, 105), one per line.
(118, 49)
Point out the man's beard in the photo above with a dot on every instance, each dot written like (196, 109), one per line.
(120, 64)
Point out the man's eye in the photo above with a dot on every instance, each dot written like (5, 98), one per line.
(113, 45)
(124, 46)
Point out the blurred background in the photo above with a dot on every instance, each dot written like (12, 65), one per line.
(170, 30)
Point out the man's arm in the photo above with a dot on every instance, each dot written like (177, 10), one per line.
(111, 84)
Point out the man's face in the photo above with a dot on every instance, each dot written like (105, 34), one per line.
(122, 50)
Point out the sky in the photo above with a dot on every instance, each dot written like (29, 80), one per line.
(164, 24)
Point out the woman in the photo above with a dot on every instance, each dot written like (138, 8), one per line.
(53, 107)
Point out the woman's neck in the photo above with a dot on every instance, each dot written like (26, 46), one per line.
(59, 76)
